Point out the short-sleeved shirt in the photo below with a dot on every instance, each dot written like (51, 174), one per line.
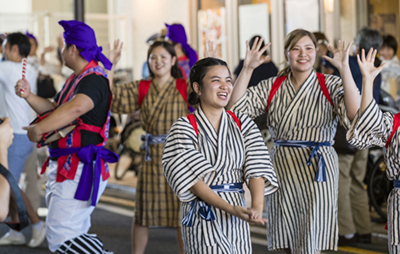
(96, 87)
(11, 105)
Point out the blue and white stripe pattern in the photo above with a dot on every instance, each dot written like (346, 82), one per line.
(373, 128)
(85, 243)
(321, 173)
(204, 209)
(231, 156)
(302, 215)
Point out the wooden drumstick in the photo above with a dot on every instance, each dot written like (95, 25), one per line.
(24, 60)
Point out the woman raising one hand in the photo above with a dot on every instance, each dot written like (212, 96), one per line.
(161, 101)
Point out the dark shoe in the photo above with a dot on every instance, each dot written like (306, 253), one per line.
(366, 238)
(343, 241)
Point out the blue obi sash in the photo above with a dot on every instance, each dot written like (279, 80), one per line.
(204, 209)
(321, 173)
(148, 140)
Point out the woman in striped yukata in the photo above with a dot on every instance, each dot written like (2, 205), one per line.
(161, 100)
(207, 157)
(303, 108)
(370, 128)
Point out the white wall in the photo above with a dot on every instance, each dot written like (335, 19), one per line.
(145, 18)
(16, 6)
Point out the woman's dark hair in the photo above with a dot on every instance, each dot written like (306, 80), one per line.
(251, 42)
(22, 41)
(175, 71)
(197, 74)
(390, 41)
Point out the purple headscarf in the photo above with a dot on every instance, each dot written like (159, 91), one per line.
(31, 36)
(177, 34)
(83, 37)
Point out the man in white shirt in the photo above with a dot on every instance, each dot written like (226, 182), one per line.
(16, 46)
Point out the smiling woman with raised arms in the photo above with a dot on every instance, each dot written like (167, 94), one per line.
(303, 108)
(207, 157)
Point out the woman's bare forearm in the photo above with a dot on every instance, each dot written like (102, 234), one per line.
(240, 86)
(205, 193)
(352, 96)
(257, 186)
(366, 95)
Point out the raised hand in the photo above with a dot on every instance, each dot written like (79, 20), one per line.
(254, 56)
(23, 85)
(211, 49)
(367, 67)
(340, 55)
(48, 49)
(114, 53)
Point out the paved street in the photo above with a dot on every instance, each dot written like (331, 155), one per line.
(112, 218)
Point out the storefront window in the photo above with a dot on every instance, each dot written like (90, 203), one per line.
(212, 25)
(254, 19)
(302, 14)
(383, 16)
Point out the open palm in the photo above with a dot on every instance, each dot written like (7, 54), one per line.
(340, 55)
(254, 56)
(367, 67)
(114, 53)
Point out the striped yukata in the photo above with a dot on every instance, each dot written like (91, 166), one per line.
(232, 156)
(156, 203)
(373, 128)
(302, 215)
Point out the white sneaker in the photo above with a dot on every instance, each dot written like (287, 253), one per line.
(13, 238)
(38, 236)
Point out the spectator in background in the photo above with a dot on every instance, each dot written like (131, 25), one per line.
(391, 71)
(32, 57)
(264, 71)
(353, 204)
(186, 55)
(16, 46)
(321, 65)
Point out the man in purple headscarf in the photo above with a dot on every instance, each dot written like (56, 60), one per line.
(187, 57)
(77, 172)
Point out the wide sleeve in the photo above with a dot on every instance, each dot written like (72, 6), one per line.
(257, 160)
(254, 102)
(125, 98)
(335, 87)
(372, 128)
(183, 165)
